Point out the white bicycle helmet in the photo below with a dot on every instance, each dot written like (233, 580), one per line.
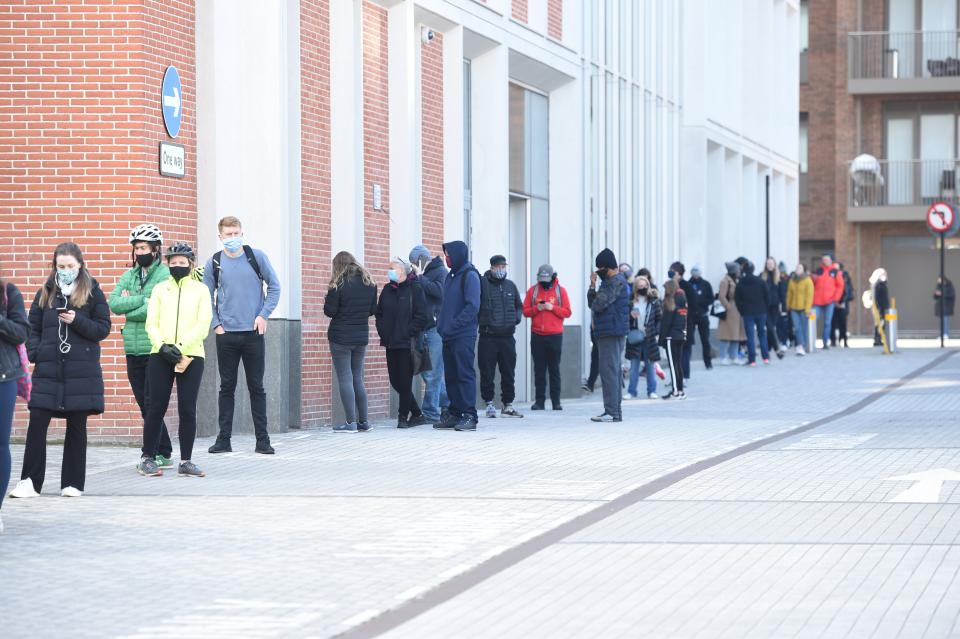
(146, 233)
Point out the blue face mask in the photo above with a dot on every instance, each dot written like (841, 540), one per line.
(499, 273)
(233, 244)
(67, 276)
(392, 275)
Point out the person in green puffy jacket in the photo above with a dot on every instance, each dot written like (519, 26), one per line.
(129, 299)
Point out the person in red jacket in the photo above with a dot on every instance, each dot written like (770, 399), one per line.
(547, 305)
(827, 292)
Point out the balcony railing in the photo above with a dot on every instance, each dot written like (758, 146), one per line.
(903, 183)
(883, 55)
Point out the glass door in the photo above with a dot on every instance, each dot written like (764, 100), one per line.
(936, 154)
(899, 174)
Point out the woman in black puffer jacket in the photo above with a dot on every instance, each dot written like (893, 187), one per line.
(14, 329)
(401, 315)
(68, 320)
(351, 300)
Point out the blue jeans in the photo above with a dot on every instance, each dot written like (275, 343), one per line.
(945, 325)
(800, 332)
(729, 349)
(434, 387)
(827, 312)
(8, 398)
(635, 366)
(756, 325)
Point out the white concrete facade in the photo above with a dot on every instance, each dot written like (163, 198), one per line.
(664, 119)
(740, 96)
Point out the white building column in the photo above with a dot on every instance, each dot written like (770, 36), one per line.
(346, 128)
(403, 36)
(491, 152)
(453, 138)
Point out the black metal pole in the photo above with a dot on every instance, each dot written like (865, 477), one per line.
(768, 217)
(943, 243)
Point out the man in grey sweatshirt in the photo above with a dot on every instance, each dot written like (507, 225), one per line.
(236, 277)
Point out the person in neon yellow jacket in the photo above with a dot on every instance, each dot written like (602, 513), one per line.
(178, 320)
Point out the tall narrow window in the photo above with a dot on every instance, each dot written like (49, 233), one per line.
(804, 140)
(804, 25)
(467, 154)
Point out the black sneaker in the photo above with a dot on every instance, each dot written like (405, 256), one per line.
(466, 423)
(557, 406)
(402, 423)
(537, 406)
(264, 448)
(220, 446)
(447, 422)
(419, 420)
(363, 426)
(709, 366)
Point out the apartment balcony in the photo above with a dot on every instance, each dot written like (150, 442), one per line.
(898, 190)
(882, 62)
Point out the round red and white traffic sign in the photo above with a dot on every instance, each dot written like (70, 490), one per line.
(940, 217)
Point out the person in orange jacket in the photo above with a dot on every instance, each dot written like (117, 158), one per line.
(827, 292)
(547, 305)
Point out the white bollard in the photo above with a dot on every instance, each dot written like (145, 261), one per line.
(811, 344)
(891, 322)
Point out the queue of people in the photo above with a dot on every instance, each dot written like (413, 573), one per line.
(436, 317)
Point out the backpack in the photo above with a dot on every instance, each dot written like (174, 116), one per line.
(251, 260)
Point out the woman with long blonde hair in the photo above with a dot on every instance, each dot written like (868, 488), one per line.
(351, 301)
(68, 320)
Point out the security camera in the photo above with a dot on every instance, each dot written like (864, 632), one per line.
(427, 35)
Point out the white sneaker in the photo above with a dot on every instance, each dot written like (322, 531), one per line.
(653, 396)
(70, 491)
(724, 361)
(491, 410)
(24, 489)
(800, 351)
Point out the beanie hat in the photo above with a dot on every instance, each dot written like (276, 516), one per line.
(606, 259)
(419, 252)
(695, 270)
(733, 268)
(782, 266)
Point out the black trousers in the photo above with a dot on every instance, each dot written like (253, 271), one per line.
(250, 348)
(495, 351)
(675, 360)
(400, 370)
(73, 470)
(546, 351)
(773, 314)
(137, 374)
(594, 365)
(161, 376)
(838, 328)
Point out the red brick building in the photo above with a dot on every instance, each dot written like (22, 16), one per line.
(879, 77)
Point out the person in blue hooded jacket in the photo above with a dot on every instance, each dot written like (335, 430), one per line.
(458, 325)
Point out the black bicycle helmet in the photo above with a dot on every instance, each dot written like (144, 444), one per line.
(180, 248)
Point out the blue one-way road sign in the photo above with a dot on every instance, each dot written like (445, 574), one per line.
(171, 101)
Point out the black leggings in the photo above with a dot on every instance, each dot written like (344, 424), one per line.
(73, 469)
(160, 377)
(400, 369)
(675, 359)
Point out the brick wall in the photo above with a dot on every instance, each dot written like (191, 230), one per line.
(431, 99)
(555, 19)
(79, 128)
(317, 366)
(518, 10)
(376, 170)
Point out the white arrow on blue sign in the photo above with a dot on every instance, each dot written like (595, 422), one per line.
(171, 101)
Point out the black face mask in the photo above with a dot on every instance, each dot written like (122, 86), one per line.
(179, 272)
(146, 260)
(642, 292)
(546, 285)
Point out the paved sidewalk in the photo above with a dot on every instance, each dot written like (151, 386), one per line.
(796, 537)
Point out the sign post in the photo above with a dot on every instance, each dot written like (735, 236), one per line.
(942, 221)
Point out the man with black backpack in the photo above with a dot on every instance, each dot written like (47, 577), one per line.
(236, 277)
(501, 309)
